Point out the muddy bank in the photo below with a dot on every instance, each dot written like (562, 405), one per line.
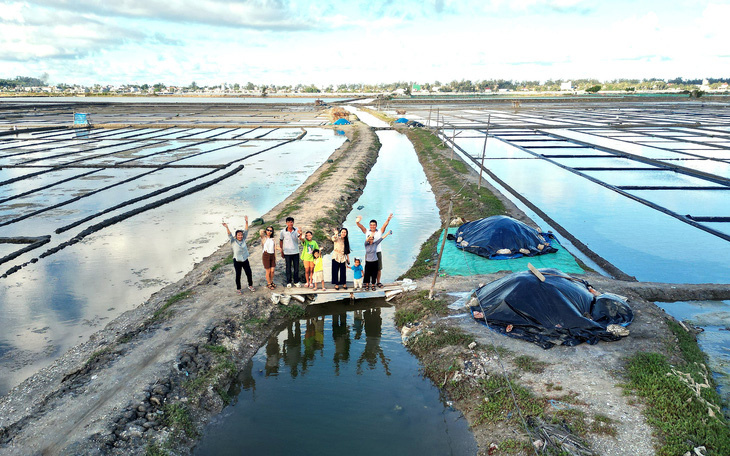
(153, 377)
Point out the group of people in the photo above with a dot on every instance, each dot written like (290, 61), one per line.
(294, 246)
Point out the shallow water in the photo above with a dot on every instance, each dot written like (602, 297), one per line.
(340, 381)
(62, 299)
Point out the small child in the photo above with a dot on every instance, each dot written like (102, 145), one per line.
(357, 274)
(371, 260)
(318, 274)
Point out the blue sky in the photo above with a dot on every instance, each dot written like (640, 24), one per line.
(287, 42)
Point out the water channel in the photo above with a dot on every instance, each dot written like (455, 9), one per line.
(340, 381)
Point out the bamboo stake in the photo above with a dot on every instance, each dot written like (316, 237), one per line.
(484, 150)
(441, 252)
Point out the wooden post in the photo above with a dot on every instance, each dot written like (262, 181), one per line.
(429, 115)
(453, 136)
(441, 252)
(484, 150)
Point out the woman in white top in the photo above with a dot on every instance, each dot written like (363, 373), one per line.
(269, 255)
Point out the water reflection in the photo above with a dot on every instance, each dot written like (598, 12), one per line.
(287, 396)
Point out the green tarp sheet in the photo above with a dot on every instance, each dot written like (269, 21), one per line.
(459, 263)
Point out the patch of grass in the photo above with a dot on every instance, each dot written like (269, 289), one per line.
(501, 351)
(426, 261)
(223, 367)
(225, 397)
(529, 364)
(404, 316)
(499, 404)
(227, 260)
(292, 311)
(219, 349)
(680, 418)
(574, 419)
(550, 386)
(97, 354)
(439, 338)
(162, 312)
(253, 323)
(154, 450)
(177, 417)
(603, 425)
(514, 446)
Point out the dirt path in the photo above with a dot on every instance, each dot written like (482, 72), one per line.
(109, 395)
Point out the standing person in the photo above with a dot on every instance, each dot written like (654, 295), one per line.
(377, 234)
(269, 255)
(289, 245)
(308, 247)
(371, 260)
(240, 255)
(357, 274)
(340, 258)
(318, 273)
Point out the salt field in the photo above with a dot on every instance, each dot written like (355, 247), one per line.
(59, 183)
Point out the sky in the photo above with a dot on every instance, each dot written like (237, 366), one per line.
(287, 42)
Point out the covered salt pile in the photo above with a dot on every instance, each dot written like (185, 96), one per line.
(501, 237)
(560, 310)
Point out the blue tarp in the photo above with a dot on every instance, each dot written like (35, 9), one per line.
(81, 118)
(500, 237)
(342, 122)
(402, 120)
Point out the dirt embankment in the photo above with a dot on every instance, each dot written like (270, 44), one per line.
(153, 377)
(512, 392)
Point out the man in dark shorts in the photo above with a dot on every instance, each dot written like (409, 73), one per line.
(377, 234)
(289, 243)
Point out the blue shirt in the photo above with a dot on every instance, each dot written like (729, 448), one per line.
(357, 271)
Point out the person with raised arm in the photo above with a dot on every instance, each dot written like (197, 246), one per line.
(371, 260)
(340, 258)
(377, 234)
(240, 255)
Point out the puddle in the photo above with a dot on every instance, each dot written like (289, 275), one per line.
(338, 382)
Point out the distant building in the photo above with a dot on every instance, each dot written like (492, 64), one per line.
(568, 85)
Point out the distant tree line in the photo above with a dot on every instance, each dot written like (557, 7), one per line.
(22, 81)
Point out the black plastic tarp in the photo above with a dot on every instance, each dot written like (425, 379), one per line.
(560, 310)
(488, 236)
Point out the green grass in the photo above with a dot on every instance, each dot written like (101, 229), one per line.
(162, 312)
(197, 385)
(253, 323)
(97, 354)
(425, 262)
(227, 260)
(404, 316)
(680, 418)
(498, 403)
(292, 311)
(529, 364)
(177, 417)
(154, 450)
(514, 446)
(603, 425)
(219, 349)
(426, 307)
(439, 338)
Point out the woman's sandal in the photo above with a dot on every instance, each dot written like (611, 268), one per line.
(344, 287)
(337, 287)
(380, 285)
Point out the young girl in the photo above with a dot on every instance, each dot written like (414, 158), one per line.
(308, 246)
(318, 274)
(269, 255)
(371, 260)
(357, 274)
(340, 258)
(240, 255)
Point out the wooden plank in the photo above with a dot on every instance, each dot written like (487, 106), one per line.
(331, 290)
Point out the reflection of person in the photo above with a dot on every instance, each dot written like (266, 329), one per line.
(318, 273)
(289, 245)
(240, 255)
(371, 260)
(340, 258)
(377, 234)
(292, 349)
(272, 356)
(373, 352)
(308, 246)
(357, 274)
(357, 323)
(341, 339)
(269, 255)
